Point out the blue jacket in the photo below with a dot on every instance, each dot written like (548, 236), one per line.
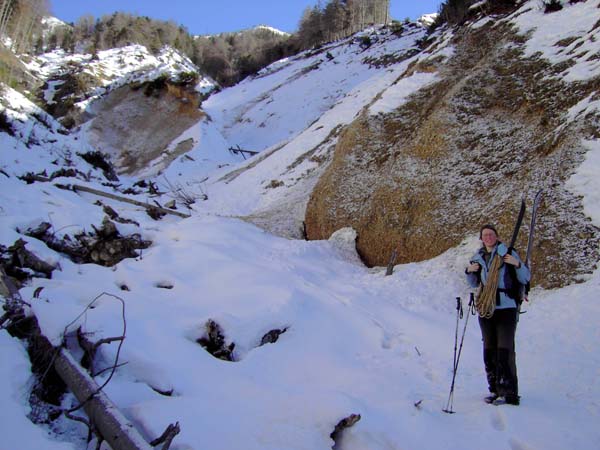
(505, 282)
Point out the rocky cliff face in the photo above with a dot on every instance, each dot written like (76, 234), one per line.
(461, 152)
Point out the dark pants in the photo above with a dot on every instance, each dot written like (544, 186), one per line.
(498, 333)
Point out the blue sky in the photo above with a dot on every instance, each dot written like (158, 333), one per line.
(210, 17)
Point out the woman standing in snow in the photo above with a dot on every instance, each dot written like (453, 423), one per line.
(499, 324)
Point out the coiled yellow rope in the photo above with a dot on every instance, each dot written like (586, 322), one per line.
(486, 300)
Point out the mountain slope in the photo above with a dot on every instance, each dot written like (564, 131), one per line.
(350, 340)
(500, 122)
(293, 112)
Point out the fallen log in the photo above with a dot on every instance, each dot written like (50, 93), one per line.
(237, 149)
(24, 258)
(110, 423)
(147, 206)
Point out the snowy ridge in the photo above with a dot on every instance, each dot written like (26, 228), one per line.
(427, 20)
(114, 68)
(50, 23)
(272, 30)
(256, 28)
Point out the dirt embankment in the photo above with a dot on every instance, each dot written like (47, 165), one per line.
(136, 124)
(461, 153)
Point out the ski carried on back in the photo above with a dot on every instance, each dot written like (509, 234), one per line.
(517, 226)
(536, 203)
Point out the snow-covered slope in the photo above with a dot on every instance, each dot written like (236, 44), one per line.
(355, 341)
(288, 96)
(111, 69)
(292, 112)
(112, 100)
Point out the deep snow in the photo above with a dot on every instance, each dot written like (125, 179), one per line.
(356, 340)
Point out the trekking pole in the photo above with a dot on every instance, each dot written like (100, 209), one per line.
(448, 408)
(459, 314)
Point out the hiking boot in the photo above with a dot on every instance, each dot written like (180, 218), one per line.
(491, 398)
(507, 400)
(513, 400)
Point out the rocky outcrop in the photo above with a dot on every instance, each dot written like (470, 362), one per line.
(460, 153)
(72, 86)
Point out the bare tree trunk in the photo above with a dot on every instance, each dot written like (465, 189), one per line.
(26, 34)
(18, 19)
(118, 432)
(111, 424)
(34, 19)
(6, 11)
(77, 187)
(387, 11)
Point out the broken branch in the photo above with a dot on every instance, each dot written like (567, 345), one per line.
(342, 425)
(392, 261)
(147, 206)
(167, 437)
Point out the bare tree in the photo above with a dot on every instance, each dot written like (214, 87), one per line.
(333, 18)
(310, 31)
(19, 18)
(6, 11)
(339, 19)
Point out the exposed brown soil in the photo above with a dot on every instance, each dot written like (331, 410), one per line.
(136, 125)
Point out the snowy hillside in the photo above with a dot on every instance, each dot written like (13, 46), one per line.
(292, 112)
(111, 69)
(512, 110)
(317, 336)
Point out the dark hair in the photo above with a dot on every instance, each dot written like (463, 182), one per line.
(487, 227)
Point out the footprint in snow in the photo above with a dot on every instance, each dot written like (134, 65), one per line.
(516, 444)
(498, 421)
(389, 340)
